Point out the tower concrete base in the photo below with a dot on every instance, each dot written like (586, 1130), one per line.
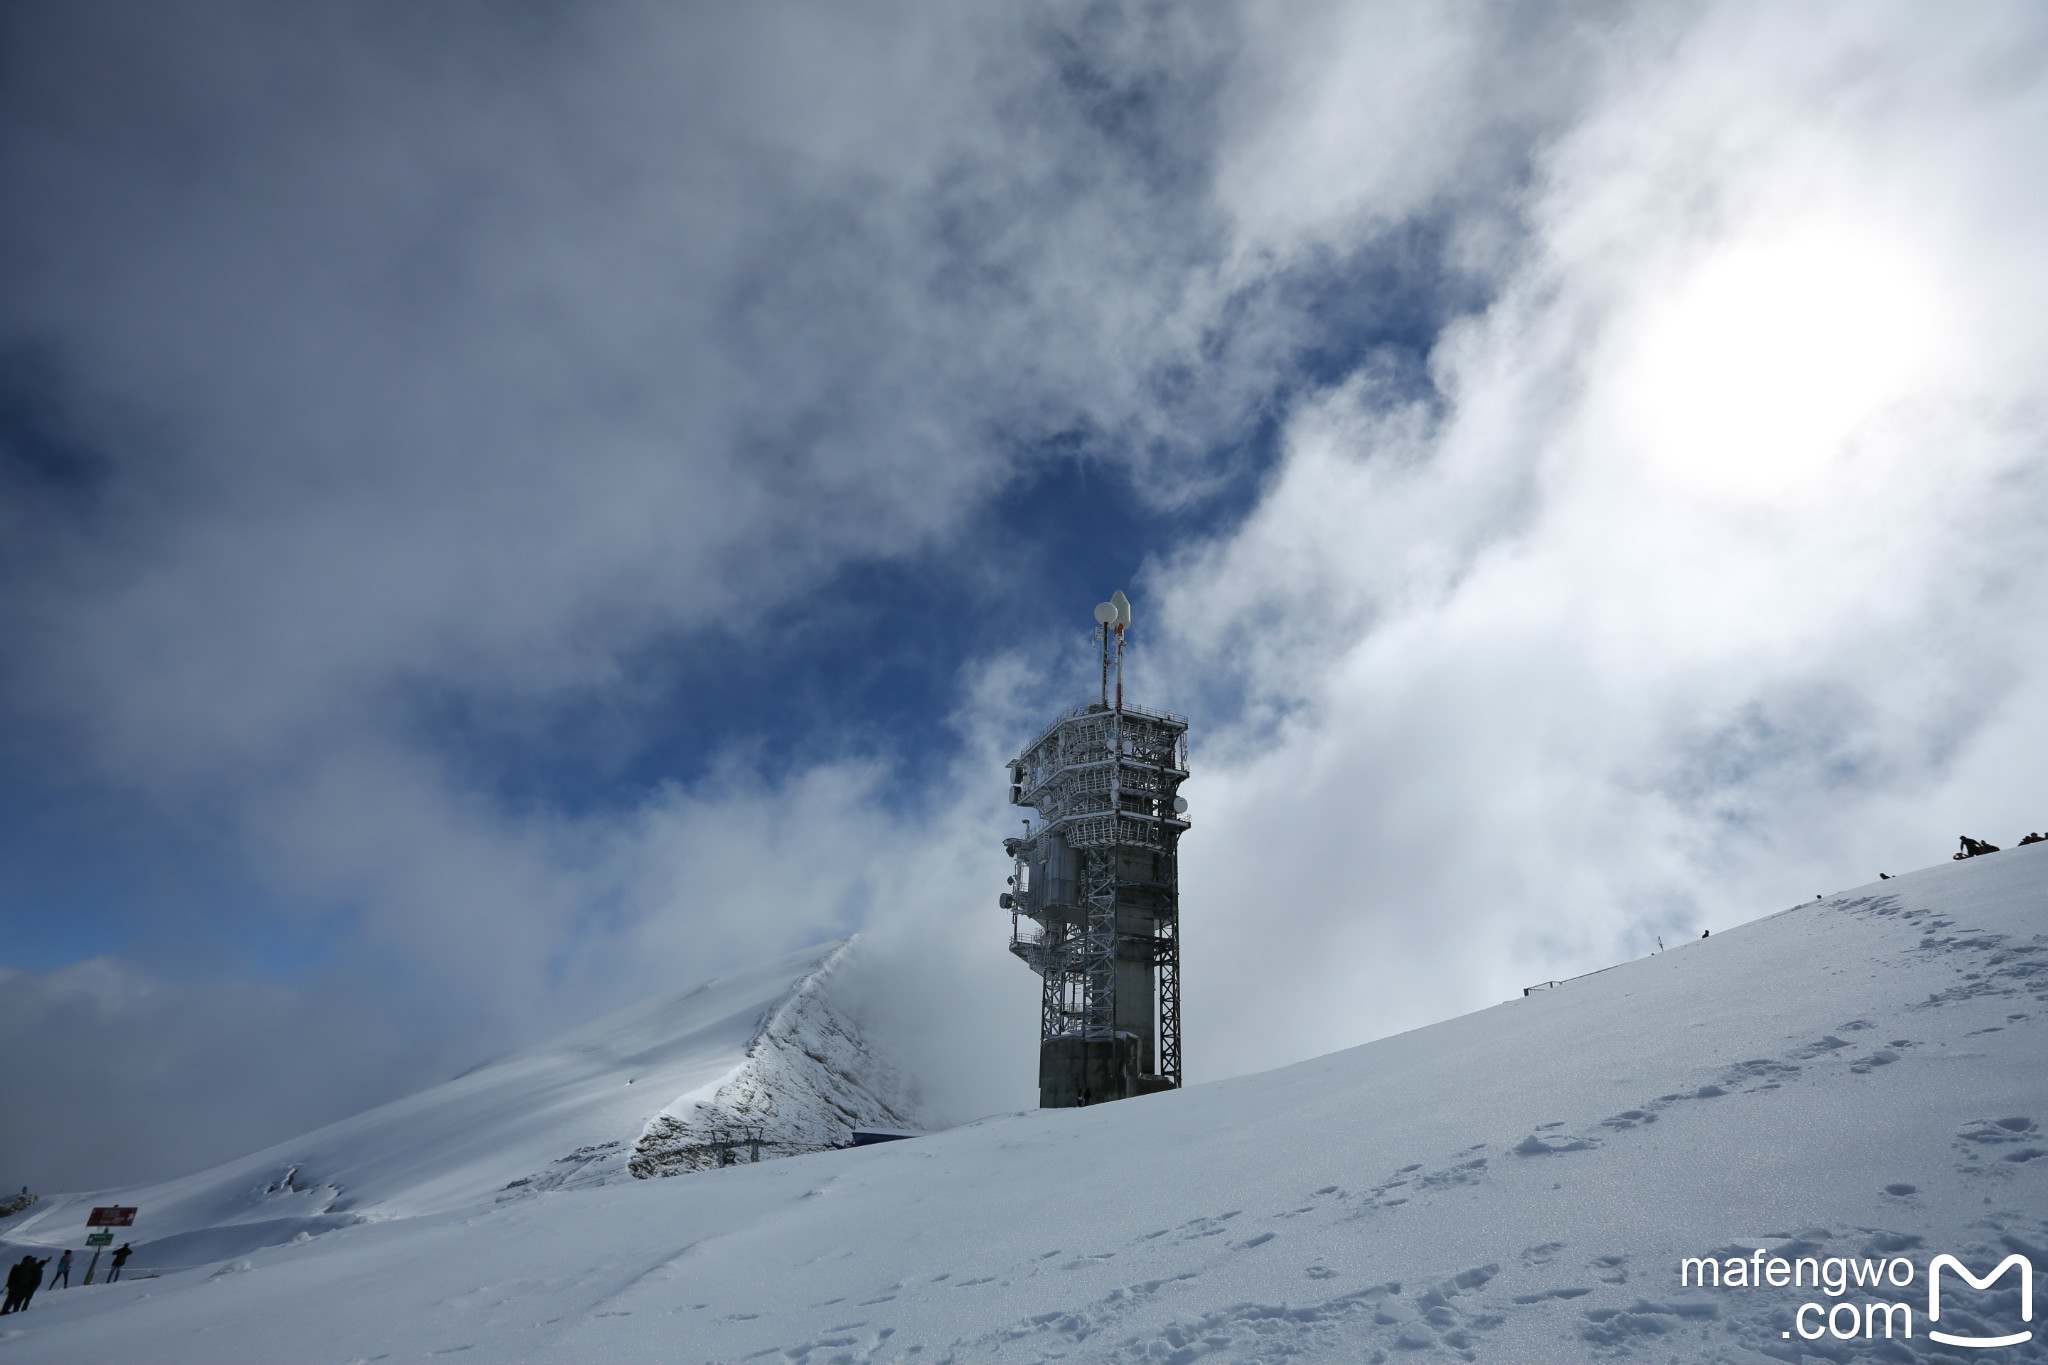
(1073, 1071)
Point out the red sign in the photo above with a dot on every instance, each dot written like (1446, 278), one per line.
(113, 1216)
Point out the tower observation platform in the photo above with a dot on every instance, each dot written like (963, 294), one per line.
(1095, 889)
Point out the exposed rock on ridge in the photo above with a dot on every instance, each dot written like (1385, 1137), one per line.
(808, 1081)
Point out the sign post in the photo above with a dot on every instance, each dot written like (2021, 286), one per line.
(107, 1216)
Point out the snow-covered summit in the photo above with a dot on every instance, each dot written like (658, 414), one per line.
(1858, 1081)
(656, 1088)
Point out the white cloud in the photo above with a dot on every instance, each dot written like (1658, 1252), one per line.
(1533, 685)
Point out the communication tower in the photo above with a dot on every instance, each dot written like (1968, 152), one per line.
(1094, 895)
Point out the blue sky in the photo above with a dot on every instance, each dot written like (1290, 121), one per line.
(519, 510)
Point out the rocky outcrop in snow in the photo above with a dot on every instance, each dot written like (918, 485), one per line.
(809, 1080)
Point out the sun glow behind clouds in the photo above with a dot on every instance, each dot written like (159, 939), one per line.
(1754, 374)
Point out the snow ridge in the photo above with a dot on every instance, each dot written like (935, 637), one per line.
(566, 1114)
(809, 1079)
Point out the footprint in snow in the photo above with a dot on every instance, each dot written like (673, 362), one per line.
(1982, 1138)
(1464, 1173)
(1826, 1044)
(1415, 1337)
(1563, 1292)
(1539, 1146)
(1765, 1069)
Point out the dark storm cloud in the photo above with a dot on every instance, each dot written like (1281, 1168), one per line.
(447, 348)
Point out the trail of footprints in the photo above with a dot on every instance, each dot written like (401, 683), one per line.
(1452, 1316)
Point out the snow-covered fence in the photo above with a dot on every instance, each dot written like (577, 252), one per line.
(1553, 985)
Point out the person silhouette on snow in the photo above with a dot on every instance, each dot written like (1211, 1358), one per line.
(62, 1272)
(22, 1282)
(32, 1280)
(121, 1255)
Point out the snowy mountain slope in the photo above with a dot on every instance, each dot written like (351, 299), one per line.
(766, 1050)
(1860, 1078)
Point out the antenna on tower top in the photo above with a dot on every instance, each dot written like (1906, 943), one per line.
(1106, 617)
(1121, 605)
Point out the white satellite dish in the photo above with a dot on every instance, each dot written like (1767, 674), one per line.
(1121, 604)
(1180, 805)
(1105, 612)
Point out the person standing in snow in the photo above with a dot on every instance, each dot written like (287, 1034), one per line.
(22, 1280)
(62, 1272)
(121, 1255)
(14, 1277)
(31, 1279)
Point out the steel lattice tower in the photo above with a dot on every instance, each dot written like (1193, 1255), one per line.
(1095, 889)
